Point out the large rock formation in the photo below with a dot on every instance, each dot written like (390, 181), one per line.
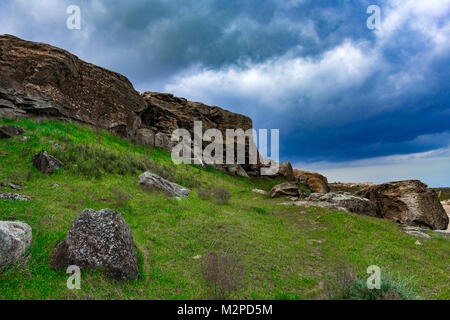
(408, 202)
(15, 239)
(39, 79)
(99, 240)
(314, 181)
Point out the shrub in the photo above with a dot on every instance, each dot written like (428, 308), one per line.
(222, 274)
(222, 196)
(204, 194)
(345, 285)
(120, 197)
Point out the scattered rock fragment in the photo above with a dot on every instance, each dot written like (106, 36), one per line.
(46, 163)
(14, 196)
(259, 191)
(416, 232)
(14, 186)
(152, 181)
(10, 131)
(99, 239)
(15, 239)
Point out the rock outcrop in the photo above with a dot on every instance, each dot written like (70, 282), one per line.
(344, 201)
(153, 181)
(10, 131)
(314, 181)
(285, 189)
(340, 201)
(39, 79)
(408, 202)
(46, 163)
(15, 239)
(99, 240)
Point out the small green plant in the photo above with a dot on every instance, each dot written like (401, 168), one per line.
(344, 284)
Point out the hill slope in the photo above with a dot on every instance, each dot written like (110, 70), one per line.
(287, 252)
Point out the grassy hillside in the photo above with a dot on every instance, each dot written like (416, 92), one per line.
(285, 252)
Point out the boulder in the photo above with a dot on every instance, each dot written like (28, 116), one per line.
(10, 131)
(46, 163)
(154, 181)
(343, 201)
(15, 239)
(285, 189)
(314, 181)
(286, 171)
(408, 202)
(41, 80)
(99, 240)
(14, 196)
(145, 137)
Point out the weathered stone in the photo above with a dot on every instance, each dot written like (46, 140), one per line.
(14, 196)
(416, 232)
(40, 79)
(286, 171)
(15, 239)
(342, 201)
(14, 186)
(314, 181)
(408, 202)
(154, 181)
(285, 189)
(99, 240)
(145, 137)
(10, 131)
(259, 191)
(46, 163)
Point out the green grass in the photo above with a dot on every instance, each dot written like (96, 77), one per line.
(288, 251)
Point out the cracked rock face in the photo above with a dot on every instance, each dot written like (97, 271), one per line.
(15, 239)
(408, 202)
(39, 79)
(99, 240)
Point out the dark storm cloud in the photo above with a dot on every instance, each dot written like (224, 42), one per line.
(337, 90)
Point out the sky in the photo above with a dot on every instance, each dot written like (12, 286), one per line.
(353, 103)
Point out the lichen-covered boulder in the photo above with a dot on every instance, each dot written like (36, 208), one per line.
(15, 239)
(99, 240)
